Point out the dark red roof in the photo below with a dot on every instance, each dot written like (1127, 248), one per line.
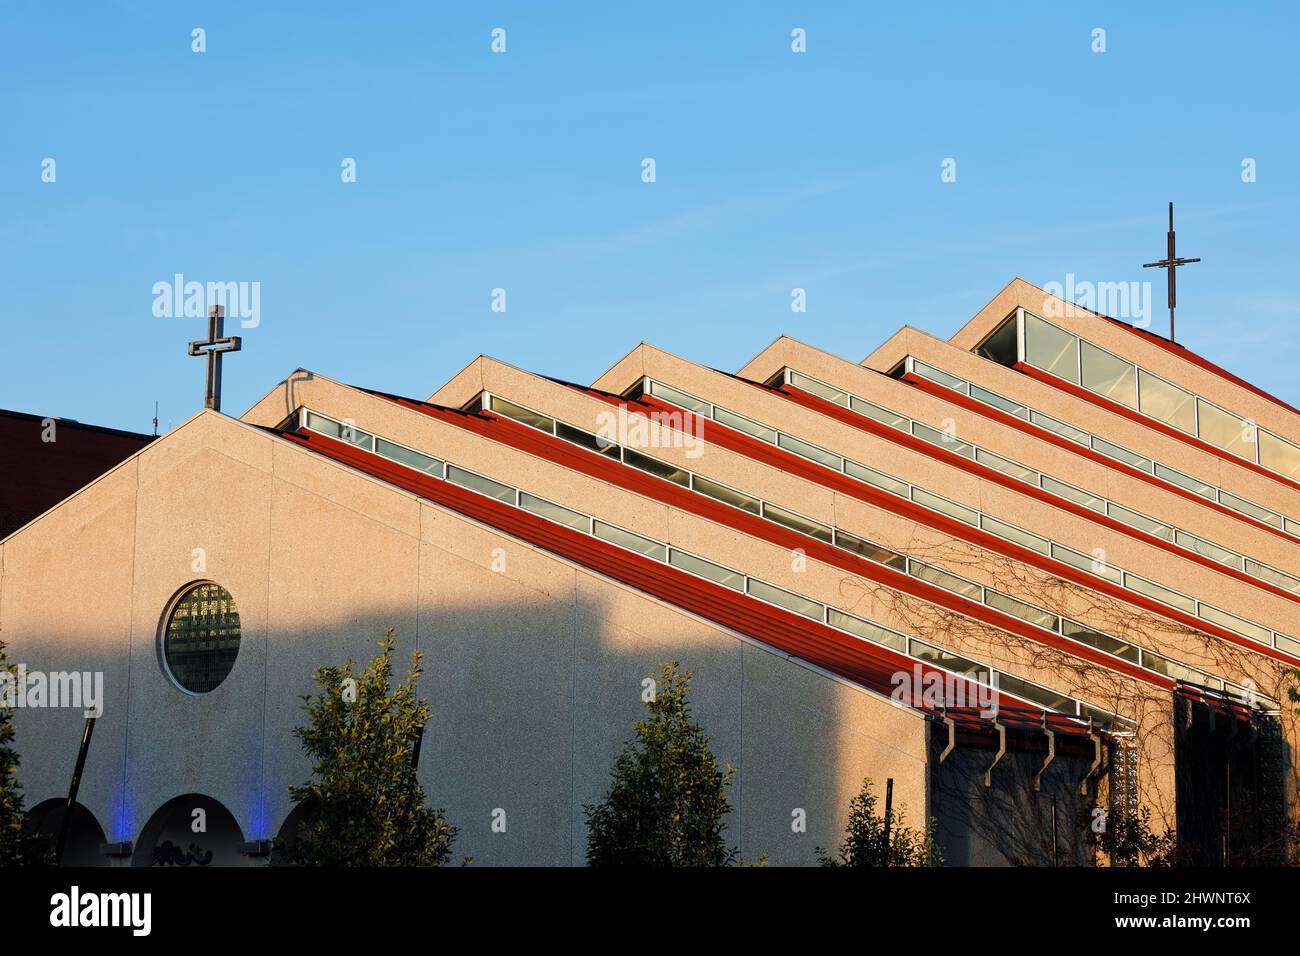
(36, 474)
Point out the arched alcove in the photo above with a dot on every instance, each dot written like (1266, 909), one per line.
(85, 835)
(288, 835)
(191, 830)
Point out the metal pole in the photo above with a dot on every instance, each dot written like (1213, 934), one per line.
(66, 823)
(889, 813)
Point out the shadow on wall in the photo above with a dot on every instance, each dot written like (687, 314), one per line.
(533, 693)
(1010, 822)
(85, 835)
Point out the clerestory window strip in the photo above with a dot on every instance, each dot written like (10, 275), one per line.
(858, 627)
(880, 554)
(1047, 346)
(1182, 539)
(1089, 564)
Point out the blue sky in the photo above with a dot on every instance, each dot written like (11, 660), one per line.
(522, 171)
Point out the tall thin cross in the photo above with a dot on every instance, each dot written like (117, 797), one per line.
(1170, 263)
(213, 348)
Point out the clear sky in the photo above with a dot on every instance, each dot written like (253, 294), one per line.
(523, 171)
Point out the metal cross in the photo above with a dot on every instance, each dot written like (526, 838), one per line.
(1170, 263)
(213, 348)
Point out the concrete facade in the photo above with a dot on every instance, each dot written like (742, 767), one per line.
(534, 658)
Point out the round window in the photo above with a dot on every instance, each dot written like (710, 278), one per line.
(200, 640)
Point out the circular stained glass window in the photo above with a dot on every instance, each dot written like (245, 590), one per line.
(200, 640)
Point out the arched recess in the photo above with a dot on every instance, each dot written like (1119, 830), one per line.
(288, 835)
(191, 830)
(85, 835)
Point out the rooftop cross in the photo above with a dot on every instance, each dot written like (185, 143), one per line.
(213, 348)
(1169, 264)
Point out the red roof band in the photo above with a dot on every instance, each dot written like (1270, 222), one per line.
(866, 664)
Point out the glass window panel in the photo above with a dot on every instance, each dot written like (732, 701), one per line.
(873, 552)
(1149, 525)
(997, 401)
(1001, 346)
(1293, 527)
(1250, 508)
(949, 582)
(521, 414)
(1051, 424)
(865, 629)
(810, 451)
(938, 375)
(1074, 494)
(1278, 454)
(781, 598)
(1160, 593)
(879, 414)
(586, 439)
(1234, 623)
(1012, 533)
(1288, 644)
(1086, 562)
(1169, 403)
(728, 495)
(1212, 551)
(948, 660)
(1121, 454)
(633, 542)
(742, 424)
(1051, 349)
(680, 398)
(1273, 576)
(1225, 430)
(343, 431)
(798, 523)
(818, 388)
(1038, 695)
(557, 513)
(942, 439)
(484, 486)
(1184, 481)
(950, 508)
(879, 479)
(1108, 375)
(1005, 466)
(326, 426)
(412, 459)
(707, 569)
(1097, 639)
(1026, 612)
(656, 467)
(725, 494)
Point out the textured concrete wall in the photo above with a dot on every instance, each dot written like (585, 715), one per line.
(533, 672)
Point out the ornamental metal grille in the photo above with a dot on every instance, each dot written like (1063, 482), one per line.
(201, 640)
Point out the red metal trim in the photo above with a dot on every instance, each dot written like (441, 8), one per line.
(1078, 391)
(743, 444)
(1202, 363)
(854, 420)
(598, 466)
(1038, 431)
(864, 663)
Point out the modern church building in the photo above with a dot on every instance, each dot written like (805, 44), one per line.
(1043, 574)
